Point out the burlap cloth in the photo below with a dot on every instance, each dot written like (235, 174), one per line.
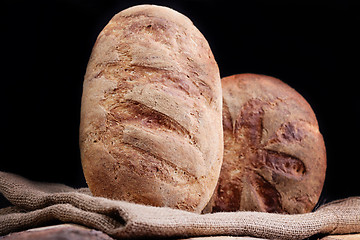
(39, 204)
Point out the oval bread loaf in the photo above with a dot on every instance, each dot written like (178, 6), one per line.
(151, 125)
(274, 155)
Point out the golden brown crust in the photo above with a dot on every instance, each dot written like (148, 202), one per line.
(151, 128)
(274, 154)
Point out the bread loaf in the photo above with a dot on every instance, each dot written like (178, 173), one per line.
(151, 126)
(274, 154)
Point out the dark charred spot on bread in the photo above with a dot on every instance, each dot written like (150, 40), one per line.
(285, 164)
(229, 197)
(227, 120)
(249, 122)
(269, 198)
(290, 132)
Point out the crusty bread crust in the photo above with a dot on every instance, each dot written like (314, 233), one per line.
(151, 127)
(274, 154)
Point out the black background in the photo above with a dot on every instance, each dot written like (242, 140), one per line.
(45, 46)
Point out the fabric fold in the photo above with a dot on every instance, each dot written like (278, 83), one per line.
(38, 204)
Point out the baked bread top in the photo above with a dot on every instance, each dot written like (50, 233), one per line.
(274, 154)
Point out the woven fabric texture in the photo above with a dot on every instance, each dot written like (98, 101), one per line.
(38, 204)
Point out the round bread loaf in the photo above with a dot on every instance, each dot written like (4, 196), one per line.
(151, 125)
(274, 155)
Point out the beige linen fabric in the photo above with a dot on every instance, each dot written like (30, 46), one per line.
(39, 204)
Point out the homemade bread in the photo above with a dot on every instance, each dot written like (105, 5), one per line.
(274, 155)
(151, 125)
